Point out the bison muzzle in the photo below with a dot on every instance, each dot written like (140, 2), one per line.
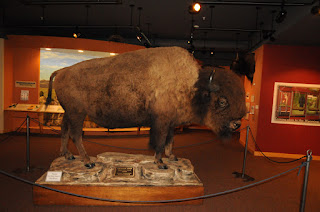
(159, 87)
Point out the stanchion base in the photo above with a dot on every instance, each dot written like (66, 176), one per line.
(246, 178)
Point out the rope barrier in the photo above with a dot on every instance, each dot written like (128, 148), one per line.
(291, 161)
(17, 130)
(304, 164)
(156, 201)
(179, 147)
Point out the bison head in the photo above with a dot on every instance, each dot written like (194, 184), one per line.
(219, 101)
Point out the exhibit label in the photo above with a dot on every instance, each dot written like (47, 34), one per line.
(53, 176)
(25, 84)
(124, 171)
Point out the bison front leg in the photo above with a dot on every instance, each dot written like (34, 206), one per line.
(169, 145)
(158, 135)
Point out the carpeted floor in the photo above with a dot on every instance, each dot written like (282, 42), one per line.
(214, 163)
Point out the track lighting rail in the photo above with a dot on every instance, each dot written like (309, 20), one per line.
(71, 2)
(251, 3)
(72, 26)
(229, 29)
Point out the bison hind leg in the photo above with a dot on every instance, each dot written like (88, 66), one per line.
(65, 138)
(75, 124)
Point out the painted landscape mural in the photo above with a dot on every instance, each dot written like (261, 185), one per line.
(55, 59)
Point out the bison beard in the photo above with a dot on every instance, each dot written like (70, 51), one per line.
(160, 87)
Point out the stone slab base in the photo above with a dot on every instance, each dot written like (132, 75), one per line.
(119, 176)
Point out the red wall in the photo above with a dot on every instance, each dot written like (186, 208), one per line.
(292, 64)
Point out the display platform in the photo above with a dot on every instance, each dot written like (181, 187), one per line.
(118, 176)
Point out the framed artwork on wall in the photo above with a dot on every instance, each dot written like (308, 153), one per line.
(296, 103)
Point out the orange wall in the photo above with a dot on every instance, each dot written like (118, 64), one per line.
(26, 67)
(253, 89)
(22, 61)
(292, 64)
(8, 77)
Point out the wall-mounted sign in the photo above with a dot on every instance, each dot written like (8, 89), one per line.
(25, 84)
(295, 103)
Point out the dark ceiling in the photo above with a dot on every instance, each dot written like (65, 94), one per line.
(221, 27)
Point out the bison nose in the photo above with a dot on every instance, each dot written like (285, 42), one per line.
(235, 124)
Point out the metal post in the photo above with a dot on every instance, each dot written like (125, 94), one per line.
(243, 175)
(28, 144)
(305, 181)
(245, 154)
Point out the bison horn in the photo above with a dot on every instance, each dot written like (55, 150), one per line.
(212, 75)
(213, 87)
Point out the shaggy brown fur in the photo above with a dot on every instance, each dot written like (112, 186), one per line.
(158, 87)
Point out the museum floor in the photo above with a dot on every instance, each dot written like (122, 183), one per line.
(214, 163)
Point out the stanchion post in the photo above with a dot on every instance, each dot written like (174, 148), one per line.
(28, 144)
(243, 175)
(245, 154)
(305, 181)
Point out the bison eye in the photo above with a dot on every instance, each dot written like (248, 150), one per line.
(222, 102)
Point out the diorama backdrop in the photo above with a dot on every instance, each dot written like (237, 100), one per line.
(52, 59)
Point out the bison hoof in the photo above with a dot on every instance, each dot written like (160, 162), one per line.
(90, 165)
(162, 166)
(71, 157)
(173, 158)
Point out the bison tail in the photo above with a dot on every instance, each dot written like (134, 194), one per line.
(49, 98)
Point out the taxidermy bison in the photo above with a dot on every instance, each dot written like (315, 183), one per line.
(159, 87)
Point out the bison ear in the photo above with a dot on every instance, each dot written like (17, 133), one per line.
(213, 87)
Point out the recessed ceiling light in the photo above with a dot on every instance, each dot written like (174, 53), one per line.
(195, 8)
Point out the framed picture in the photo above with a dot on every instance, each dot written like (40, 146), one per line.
(295, 103)
(247, 110)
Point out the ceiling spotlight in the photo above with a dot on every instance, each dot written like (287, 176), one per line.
(282, 14)
(139, 38)
(191, 49)
(195, 8)
(212, 52)
(316, 10)
(76, 33)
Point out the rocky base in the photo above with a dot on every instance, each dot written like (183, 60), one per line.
(119, 169)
